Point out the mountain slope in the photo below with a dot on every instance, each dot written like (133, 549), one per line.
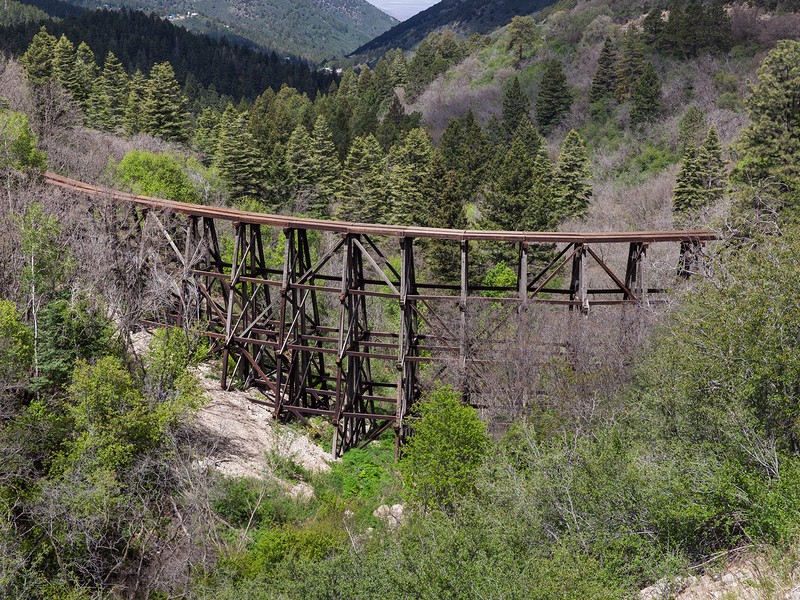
(312, 29)
(467, 16)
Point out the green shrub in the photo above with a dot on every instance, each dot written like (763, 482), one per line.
(157, 174)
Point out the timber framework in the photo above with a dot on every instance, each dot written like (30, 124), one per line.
(326, 320)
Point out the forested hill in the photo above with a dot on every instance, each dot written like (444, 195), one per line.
(313, 29)
(140, 41)
(466, 16)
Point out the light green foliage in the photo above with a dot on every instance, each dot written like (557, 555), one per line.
(572, 178)
(448, 445)
(163, 105)
(157, 174)
(770, 145)
(16, 347)
(554, 99)
(18, 150)
(170, 355)
(501, 275)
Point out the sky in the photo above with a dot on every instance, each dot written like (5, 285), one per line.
(403, 9)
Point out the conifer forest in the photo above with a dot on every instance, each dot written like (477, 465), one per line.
(573, 444)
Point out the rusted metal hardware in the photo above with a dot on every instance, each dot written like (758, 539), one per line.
(341, 328)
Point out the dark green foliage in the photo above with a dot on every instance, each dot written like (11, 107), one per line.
(712, 166)
(522, 35)
(363, 193)
(452, 190)
(409, 182)
(769, 145)
(691, 128)
(646, 105)
(237, 157)
(652, 26)
(571, 183)
(630, 65)
(689, 189)
(163, 107)
(516, 107)
(691, 29)
(38, 58)
(442, 457)
(71, 328)
(554, 98)
(314, 169)
(110, 96)
(435, 54)
(141, 41)
(465, 150)
(396, 124)
(604, 82)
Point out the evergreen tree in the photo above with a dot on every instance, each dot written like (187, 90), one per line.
(604, 82)
(84, 75)
(115, 81)
(516, 107)
(466, 151)
(507, 195)
(237, 157)
(712, 166)
(408, 180)
(132, 121)
(653, 27)
(451, 190)
(206, 131)
(630, 65)
(554, 98)
(691, 127)
(396, 124)
(313, 169)
(521, 35)
(363, 192)
(770, 145)
(163, 109)
(571, 182)
(64, 62)
(690, 190)
(646, 102)
(38, 58)
(398, 70)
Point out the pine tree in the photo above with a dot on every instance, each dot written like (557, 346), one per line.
(770, 145)
(115, 81)
(395, 124)
(163, 109)
(604, 82)
(328, 169)
(691, 127)
(571, 182)
(516, 107)
(646, 102)
(363, 191)
(554, 98)
(540, 211)
(85, 75)
(466, 151)
(451, 190)
(712, 166)
(64, 62)
(237, 157)
(653, 27)
(206, 131)
(690, 192)
(398, 70)
(408, 180)
(521, 35)
(630, 65)
(38, 58)
(507, 195)
(132, 121)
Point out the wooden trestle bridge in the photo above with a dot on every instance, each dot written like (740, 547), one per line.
(312, 333)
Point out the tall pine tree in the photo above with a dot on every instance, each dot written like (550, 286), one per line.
(646, 105)
(572, 187)
(516, 107)
(604, 82)
(409, 181)
(237, 156)
(163, 108)
(363, 192)
(554, 98)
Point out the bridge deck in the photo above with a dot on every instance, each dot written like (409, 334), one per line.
(344, 227)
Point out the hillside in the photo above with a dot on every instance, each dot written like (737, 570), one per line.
(312, 29)
(650, 450)
(465, 16)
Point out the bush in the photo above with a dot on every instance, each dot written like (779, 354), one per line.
(448, 444)
(157, 174)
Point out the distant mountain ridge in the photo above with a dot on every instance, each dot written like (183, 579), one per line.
(312, 29)
(466, 16)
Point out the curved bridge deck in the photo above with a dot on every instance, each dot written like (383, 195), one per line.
(340, 327)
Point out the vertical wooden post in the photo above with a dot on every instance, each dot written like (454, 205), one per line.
(463, 349)
(288, 257)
